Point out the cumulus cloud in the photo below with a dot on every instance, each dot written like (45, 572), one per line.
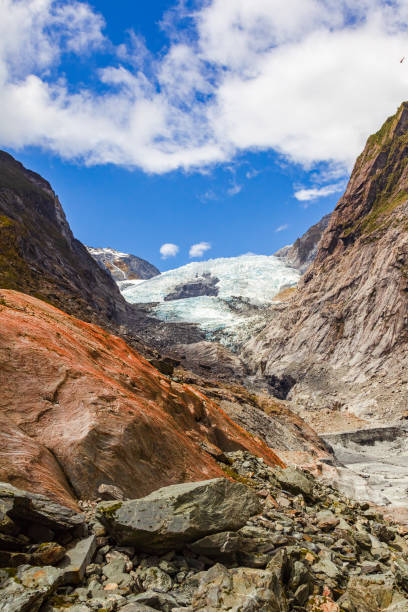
(282, 228)
(168, 250)
(295, 76)
(198, 250)
(307, 195)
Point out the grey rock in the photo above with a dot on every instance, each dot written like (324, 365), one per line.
(36, 508)
(107, 492)
(363, 540)
(77, 558)
(218, 544)
(368, 593)
(294, 480)
(401, 571)
(158, 601)
(155, 579)
(137, 607)
(115, 572)
(27, 590)
(327, 567)
(239, 589)
(173, 516)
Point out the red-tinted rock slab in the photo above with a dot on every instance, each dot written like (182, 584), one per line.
(82, 409)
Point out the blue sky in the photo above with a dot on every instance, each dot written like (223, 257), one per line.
(231, 123)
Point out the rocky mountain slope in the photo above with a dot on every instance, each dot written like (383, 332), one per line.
(79, 409)
(302, 252)
(123, 266)
(40, 256)
(343, 334)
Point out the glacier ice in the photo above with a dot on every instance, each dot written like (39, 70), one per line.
(246, 284)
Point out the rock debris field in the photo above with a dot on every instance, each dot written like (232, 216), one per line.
(268, 539)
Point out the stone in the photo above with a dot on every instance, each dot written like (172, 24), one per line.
(36, 508)
(382, 532)
(401, 572)
(108, 492)
(218, 544)
(173, 516)
(370, 567)
(48, 553)
(368, 593)
(28, 588)
(8, 542)
(253, 559)
(327, 567)
(322, 604)
(301, 594)
(138, 607)
(239, 589)
(158, 601)
(14, 559)
(155, 579)
(363, 540)
(327, 521)
(77, 558)
(118, 579)
(7, 525)
(294, 480)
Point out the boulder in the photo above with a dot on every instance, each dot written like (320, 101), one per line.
(239, 589)
(173, 516)
(35, 508)
(26, 589)
(107, 492)
(76, 560)
(157, 601)
(294, 480)
(218, 545)
(369, 593)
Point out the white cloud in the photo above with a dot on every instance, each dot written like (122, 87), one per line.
(295, 76)
(168, 250)
(307, 195)
(235, 189)
(198, 250)
(282, 228)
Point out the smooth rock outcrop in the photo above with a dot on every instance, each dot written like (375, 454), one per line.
(173, 516)
(92, 411)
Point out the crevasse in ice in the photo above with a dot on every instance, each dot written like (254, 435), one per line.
(256, 279)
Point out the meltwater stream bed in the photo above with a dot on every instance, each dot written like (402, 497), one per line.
(374, 464)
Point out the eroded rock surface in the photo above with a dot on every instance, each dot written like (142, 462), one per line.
(90, 411)
(342, 336)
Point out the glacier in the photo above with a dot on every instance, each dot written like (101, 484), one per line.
(246, 285)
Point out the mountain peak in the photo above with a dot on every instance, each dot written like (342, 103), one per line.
(377, 194)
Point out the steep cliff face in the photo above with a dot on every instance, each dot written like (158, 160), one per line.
(343, 335)
(303, 251)
(123, 266)
(80, 408)
(39, 255)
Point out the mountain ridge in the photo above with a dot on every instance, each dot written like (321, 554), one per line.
(346, 325)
